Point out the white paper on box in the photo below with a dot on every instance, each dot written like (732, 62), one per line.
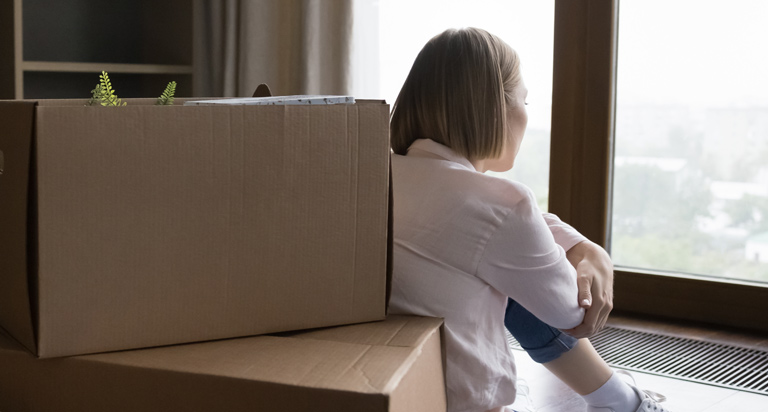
(276, 100)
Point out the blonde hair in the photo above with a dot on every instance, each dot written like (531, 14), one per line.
(457, 93)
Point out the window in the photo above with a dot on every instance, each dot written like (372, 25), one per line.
(666, 148)
(691, 157)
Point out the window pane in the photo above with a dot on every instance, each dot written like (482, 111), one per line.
(691, 155)
(528, 26)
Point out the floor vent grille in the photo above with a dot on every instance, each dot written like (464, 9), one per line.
(693, 360)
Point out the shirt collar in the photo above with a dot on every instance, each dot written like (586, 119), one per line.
(439, 150)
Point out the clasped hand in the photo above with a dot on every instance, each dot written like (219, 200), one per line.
(594, 270)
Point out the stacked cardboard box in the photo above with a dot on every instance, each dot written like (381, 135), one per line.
(137, 226)
(144, 226)
(394, 365)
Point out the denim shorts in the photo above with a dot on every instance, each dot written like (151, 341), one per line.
(542, 342)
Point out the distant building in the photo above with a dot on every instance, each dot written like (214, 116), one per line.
(757, 248)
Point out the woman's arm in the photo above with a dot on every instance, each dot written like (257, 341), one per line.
(522, 261)
(595, 275)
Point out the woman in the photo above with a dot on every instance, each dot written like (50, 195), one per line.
(474, 249)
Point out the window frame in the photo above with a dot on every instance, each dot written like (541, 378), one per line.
(581, 173)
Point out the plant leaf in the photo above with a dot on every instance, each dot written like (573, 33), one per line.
(167, 97)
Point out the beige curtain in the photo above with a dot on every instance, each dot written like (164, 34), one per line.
(295, 46)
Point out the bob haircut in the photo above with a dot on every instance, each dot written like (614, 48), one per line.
(457, 94)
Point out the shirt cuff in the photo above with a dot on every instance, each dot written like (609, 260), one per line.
(565, 235)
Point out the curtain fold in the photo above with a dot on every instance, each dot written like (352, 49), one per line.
(295, 46)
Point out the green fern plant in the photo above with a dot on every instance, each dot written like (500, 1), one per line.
(167, 97)
(95, 95)
(107, 95)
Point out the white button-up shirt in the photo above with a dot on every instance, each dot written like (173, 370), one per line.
(463, 242)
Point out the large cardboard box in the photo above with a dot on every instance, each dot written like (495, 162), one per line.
(139, 226)
(394, 365)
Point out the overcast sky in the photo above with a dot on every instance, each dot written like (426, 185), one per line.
(698, 52)
(527, 26)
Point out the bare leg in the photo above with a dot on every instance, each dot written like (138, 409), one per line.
(574, 361)
(581, 368)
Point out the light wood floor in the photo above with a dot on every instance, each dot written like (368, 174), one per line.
(550, 395)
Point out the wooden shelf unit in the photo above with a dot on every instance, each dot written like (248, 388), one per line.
(54, 49)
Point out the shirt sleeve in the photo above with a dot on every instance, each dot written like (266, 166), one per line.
(522, 261)
(565, 235)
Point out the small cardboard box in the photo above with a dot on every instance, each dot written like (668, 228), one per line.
(394, 365)
(139, 226)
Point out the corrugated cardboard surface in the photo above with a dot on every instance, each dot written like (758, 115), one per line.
(394, 365)
(162, 225)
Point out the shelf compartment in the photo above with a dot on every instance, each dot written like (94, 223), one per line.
(77, 67)
(117, 31)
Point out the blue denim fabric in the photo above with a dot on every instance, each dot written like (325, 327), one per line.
(542, 342)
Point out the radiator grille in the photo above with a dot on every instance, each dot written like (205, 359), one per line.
(681, 358)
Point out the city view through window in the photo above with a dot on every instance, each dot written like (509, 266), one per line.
(690, 190)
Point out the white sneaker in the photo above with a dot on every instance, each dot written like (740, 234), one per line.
(523, 401)
(649, 400)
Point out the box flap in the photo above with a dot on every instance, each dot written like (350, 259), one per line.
(422, 387)
(366, 358)
(289, 361)
(402, 331)
(262, 90)
(334, 358)
(16, 141)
